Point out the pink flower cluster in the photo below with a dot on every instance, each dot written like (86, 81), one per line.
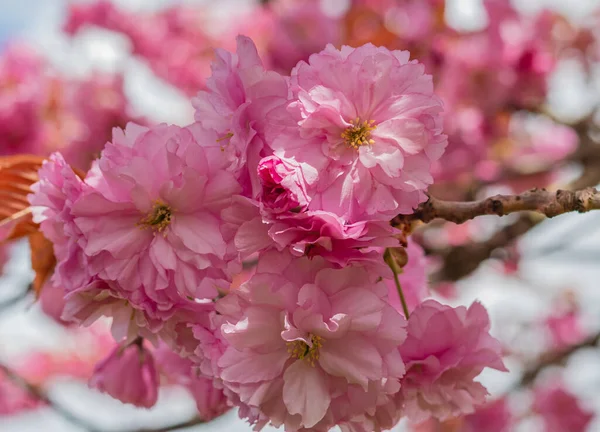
(172, 41)
(300, 174)
(40, 112)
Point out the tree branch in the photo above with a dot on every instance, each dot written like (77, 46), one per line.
(541, 201)
(556, 358)
(185, 424)
(460, 261)
(40, 395)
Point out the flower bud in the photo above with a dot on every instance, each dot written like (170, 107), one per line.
(129, 375)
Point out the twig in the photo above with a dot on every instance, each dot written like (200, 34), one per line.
(541, 201)
(556, 358)
(39, 394)
(460, 261)
(185, 424)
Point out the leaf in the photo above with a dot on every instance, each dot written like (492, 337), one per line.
(43, 260)
(17, 174)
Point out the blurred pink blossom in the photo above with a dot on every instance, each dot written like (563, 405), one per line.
(560, 409)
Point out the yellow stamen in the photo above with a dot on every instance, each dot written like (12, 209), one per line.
(158, 218)
(359, 133)
(226, 136)
(302, 351)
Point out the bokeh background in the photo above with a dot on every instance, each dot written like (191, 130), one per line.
(558, 263)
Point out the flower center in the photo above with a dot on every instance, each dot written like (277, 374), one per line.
(158, 218)
(359, 133)
(302, 351)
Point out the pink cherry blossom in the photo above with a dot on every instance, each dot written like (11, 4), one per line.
(239, 94)
(446, 348)
(365, 126)
(307, 339)
(210, 401)
(128, 374)
(163, 231)
(318, 233)
(560, 409)
(413, 279)
(107, 268)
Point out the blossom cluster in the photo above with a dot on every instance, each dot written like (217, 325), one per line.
(295, 178)
(484, 76)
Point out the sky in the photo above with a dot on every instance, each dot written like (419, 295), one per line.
(509, 301)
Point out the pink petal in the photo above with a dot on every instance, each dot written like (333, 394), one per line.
(305, 392)
(249, 367)
(353, 358)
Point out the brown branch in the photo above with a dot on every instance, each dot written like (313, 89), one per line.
(185, 424)
(40, 395)
(541, 201)
(556, 358)
(460, 261)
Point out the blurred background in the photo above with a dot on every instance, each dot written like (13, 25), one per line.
(520, 84)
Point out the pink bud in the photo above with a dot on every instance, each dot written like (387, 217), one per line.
(129, 375)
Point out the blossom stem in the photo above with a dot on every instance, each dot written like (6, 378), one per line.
(401, 293)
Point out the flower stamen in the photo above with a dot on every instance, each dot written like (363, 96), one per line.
(302, 351)
(359, 133)
(158, 218)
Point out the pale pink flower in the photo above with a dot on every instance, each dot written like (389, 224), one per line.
(211, 343)
(52, 196)
(413, 279)
(446, 348)
(108, 265)
(365, 127)
(560, 409)
(239, 94)
(210, 401)
(160, 234)
(128, 374)
(306, 338)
